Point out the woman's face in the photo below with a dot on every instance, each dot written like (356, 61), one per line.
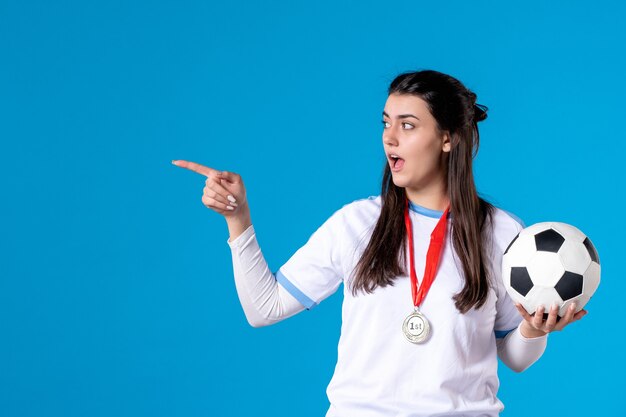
(410, 131)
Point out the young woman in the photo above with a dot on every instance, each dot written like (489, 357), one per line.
(425, 313)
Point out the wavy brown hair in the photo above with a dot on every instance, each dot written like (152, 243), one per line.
(454, 108)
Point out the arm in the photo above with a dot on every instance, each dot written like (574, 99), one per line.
(263, 299)
(523, 349)
(519, 352)
(521, 346)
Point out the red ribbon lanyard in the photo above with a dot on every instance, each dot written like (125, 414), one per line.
(432, 256)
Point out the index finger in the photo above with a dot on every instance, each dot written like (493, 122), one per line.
(192, 166)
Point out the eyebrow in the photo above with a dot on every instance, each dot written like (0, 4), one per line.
(401, 116)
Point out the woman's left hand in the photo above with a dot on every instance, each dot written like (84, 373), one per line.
(536, 326)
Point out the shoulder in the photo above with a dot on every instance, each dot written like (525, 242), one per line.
(504, 218)
(357, 215)
(364, 207)
(506, 225)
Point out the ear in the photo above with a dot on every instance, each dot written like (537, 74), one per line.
(447, 145)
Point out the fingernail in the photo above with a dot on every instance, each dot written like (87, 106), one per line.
(230, 208)
(231, 198)
(572, 306)
(174, 162)
(555, 305)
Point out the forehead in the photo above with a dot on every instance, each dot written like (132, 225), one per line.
(406, 104)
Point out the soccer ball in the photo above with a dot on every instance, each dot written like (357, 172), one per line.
(549, 262)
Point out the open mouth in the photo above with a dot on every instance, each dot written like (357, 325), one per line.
(396, 162)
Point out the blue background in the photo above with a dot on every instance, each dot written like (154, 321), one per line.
(117, 296)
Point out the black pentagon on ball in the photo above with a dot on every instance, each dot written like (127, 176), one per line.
(549, 241)
(514, 239)
(570, 285)
(592, 250)
(520, 280)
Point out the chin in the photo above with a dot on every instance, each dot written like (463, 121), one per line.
(399, 182)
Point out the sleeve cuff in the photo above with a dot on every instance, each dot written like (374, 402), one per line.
(530, 339)
(239, 240)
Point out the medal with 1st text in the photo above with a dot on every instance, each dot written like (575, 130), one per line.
(416, 327)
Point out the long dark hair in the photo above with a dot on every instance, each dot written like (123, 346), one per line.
(455, 109)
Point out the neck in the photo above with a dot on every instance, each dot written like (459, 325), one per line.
(435, 199)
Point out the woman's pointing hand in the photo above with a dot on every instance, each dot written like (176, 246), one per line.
(223, 192)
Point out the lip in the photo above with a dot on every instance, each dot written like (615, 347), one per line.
(392, 153)
(391, 163)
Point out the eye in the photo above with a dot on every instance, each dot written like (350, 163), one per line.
(405, 123)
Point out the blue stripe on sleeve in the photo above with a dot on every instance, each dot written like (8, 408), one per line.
(502, 333)
(293, 290)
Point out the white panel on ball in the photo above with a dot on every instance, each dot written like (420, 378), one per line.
(522, 250)
(540, 295)
(545, 268)
(569, 232)
(574, 256)
(591, 279)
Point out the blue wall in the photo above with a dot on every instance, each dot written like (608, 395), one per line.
(116, 289)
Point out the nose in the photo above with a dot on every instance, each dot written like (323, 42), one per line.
(389, 138)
